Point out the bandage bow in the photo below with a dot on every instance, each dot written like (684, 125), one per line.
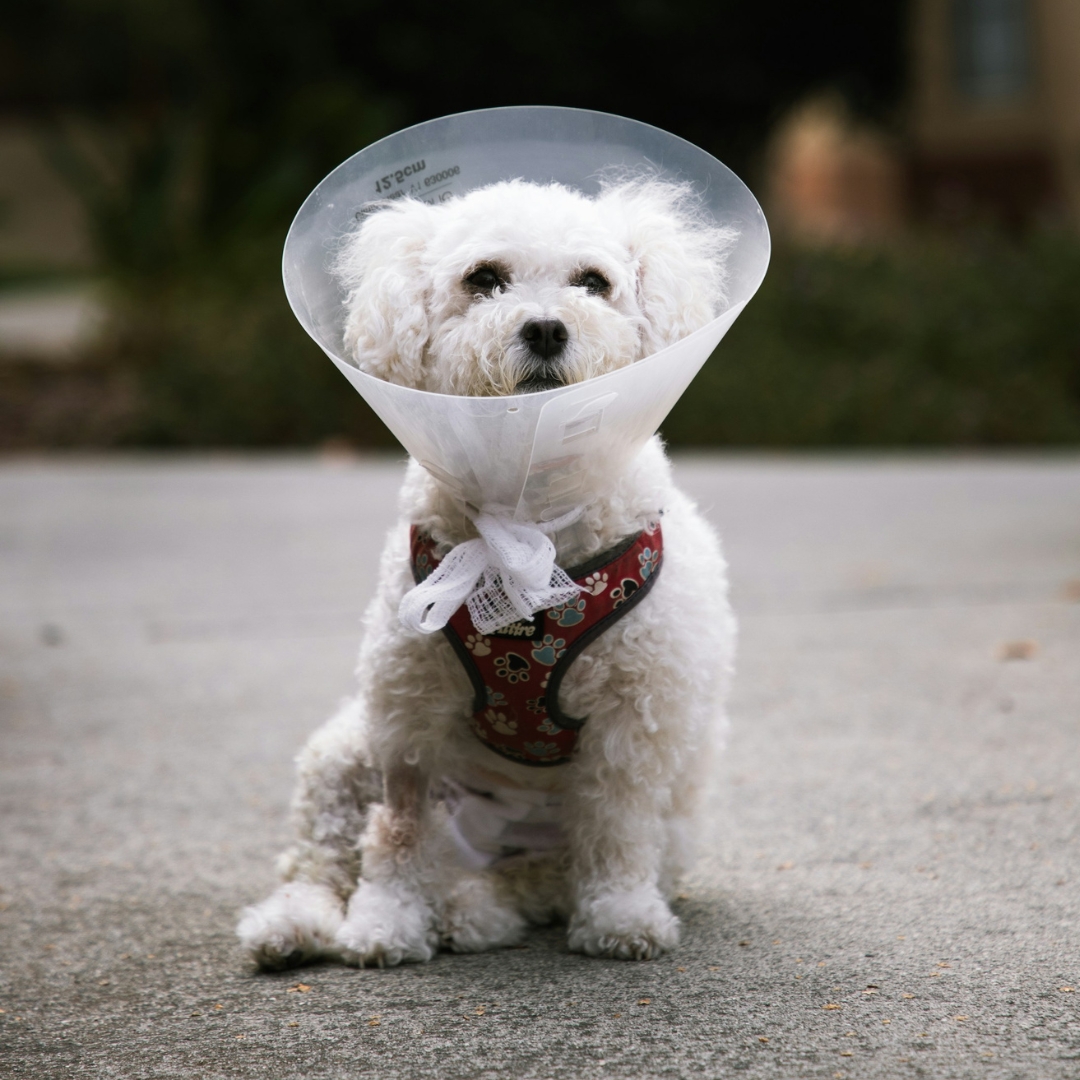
(507, 573)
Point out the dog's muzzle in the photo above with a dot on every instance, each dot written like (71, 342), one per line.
(545, 341)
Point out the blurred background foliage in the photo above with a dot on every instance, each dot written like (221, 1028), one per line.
(191, 130)
(922, 343)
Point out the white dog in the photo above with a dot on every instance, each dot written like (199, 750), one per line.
(422, 820)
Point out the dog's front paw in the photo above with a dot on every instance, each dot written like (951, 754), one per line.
(294, 924)
(386, 926)
(474, 918)
(632, 924)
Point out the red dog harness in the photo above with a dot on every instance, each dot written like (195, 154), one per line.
(516, 672)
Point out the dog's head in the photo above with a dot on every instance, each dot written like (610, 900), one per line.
(519, 287)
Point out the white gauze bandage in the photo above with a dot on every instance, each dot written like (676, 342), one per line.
(507, 573)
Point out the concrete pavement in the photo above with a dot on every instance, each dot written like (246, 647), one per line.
(891, 886)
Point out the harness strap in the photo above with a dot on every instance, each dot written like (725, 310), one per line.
(532, 656)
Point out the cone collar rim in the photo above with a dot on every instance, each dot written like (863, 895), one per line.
(734, 306)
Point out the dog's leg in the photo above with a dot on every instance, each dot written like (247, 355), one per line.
(297, 923)
(478, 913)
(629, 817)
(389, 918)
(616, 843)
(414, 896)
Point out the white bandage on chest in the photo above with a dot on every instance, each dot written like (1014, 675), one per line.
(502, 822)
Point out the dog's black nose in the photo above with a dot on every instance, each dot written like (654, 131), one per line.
(545, 337)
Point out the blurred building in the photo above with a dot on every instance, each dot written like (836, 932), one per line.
(995, 110)
(831, 178)
(989, 131)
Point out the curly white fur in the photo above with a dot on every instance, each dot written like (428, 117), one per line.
(410, 320)
(376, 873)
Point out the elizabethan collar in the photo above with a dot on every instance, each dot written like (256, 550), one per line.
(530, 459)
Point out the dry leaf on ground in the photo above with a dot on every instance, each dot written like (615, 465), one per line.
(1018, 650)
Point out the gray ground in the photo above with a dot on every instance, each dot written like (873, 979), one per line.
(892, 882)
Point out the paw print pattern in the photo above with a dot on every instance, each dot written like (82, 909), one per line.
(648, 560)
(478, 645)
(494, 698)
(624, 590)
(549, 727)
(570, 613)
(549, 650)
(541, 749)
(596, 583)
(500, 723)
(424, 566)
(512, 668)
(539, 704)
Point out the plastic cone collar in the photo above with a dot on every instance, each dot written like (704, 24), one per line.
(538, 454)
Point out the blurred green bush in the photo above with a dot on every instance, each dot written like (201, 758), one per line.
(220, 360)
(938, 341)
(973, 343)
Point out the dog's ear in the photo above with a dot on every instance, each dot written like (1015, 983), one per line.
(381, 267)
(679, 253)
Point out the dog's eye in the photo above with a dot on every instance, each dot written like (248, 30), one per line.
(485, 279)
(592, 281)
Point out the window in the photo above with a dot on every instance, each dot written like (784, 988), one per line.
(991, 49)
